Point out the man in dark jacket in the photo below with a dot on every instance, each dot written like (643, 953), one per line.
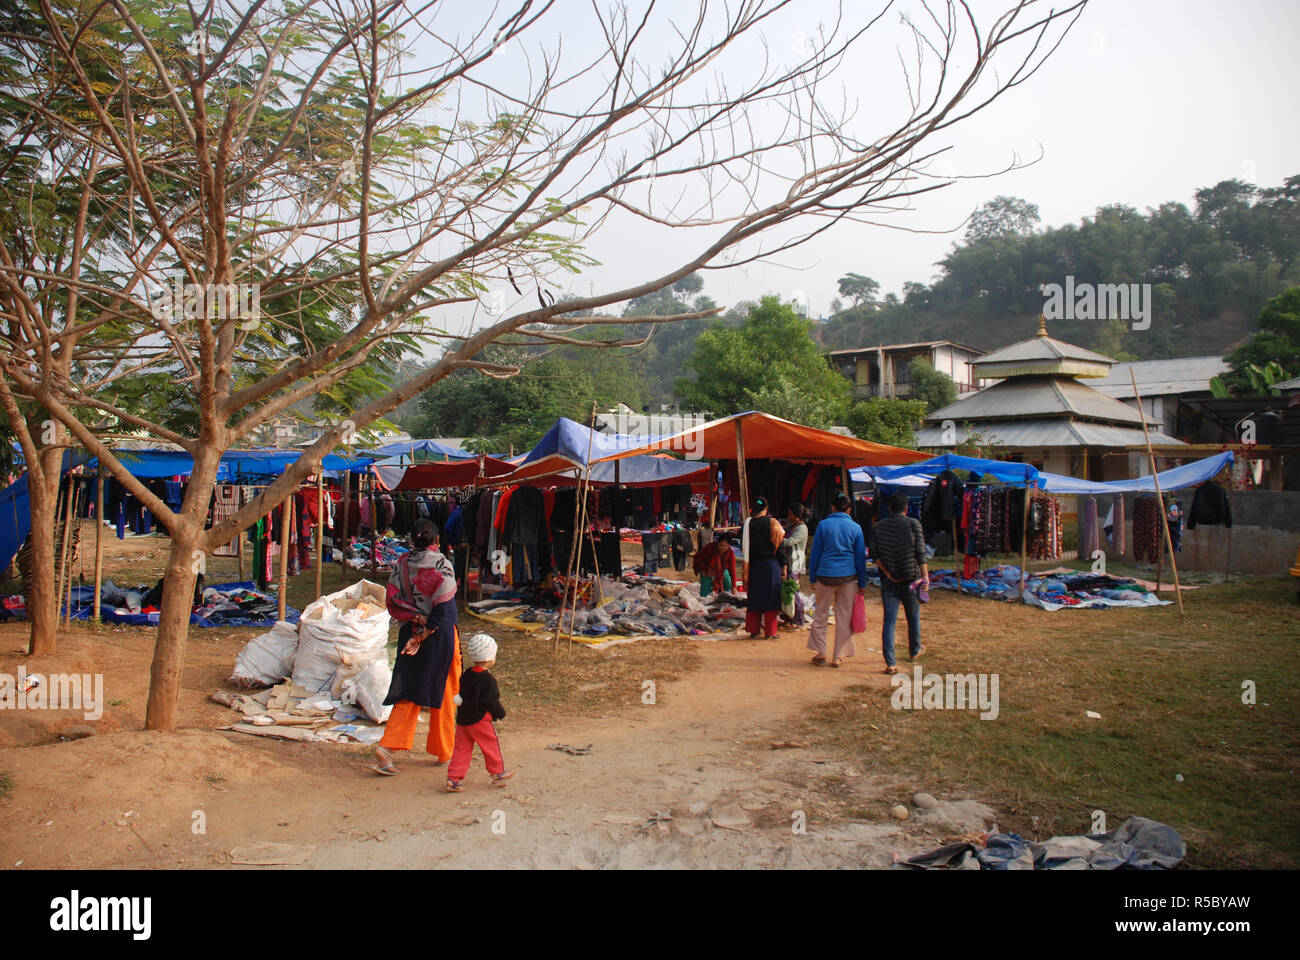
(898, 547)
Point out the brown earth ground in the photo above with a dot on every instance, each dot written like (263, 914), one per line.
(657, 777)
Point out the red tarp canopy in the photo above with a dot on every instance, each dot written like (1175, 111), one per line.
(434, 476)
(770, 438)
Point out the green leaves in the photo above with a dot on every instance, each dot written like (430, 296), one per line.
(770, 363)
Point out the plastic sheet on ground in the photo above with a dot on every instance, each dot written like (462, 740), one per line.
(236, 604)
(1051, 591)
(1138, 844)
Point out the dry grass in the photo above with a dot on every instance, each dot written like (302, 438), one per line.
(1170, 702)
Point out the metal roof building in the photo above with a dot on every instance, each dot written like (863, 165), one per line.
(1040, 411)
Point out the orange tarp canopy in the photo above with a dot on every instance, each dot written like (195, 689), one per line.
(770, 438)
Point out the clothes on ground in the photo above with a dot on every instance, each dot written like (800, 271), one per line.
(1138, 844)
(1052, 591)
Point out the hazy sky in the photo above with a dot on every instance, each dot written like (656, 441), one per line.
(1144, 102)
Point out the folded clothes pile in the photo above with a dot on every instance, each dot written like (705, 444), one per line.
(630, 606)
(235, 606)
(387, 550)
(1054, 591)
(1138, 844)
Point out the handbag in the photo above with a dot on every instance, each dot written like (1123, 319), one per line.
(859, 622)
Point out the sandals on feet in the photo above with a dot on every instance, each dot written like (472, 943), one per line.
(819, 660)
(499, 779)
(383, 763)
(890, 671)
(837, 662)
(454, 786)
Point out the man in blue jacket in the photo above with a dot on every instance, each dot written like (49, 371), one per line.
(836, 566)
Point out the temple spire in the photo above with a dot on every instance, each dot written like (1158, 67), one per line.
(1042, 325)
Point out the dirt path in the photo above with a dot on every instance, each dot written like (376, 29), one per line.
(701, 751)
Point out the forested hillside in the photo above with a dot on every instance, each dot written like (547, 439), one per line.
(1211, 267)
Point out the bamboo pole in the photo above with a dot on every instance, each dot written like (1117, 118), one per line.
(575, 546)
(320, 527)
(99, 540)
(744, 491)
(347, 502)
(1160, 502)
(76, 496)
(63, 547)
(283, 601)
(374, 530)
(1024, 542)
(239, 537)
(1227, 566)
(956, 554)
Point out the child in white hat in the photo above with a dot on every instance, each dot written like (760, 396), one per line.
(478, 704)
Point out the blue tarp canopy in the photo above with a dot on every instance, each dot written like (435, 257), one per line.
(1175, 478)
(638, 471)
(572, 440)
(16, 510)
(566, 445)
(235, 464)
(1004, 470)
(429, 448)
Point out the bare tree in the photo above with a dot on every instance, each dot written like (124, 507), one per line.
(360, 171)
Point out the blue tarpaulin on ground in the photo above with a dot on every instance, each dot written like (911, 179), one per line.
(83, 607)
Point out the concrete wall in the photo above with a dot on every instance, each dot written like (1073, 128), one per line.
(1265, 533)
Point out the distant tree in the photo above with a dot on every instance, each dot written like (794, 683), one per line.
(1001, 217)
(689, 284)
(1278, 341)
(769, 363)
(861, 290)
(837, 305)
(1110, 340)
(886, 420)
(932, 387)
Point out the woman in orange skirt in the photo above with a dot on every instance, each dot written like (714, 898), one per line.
(422, 595)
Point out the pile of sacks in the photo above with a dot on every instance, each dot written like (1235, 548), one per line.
(338, 649)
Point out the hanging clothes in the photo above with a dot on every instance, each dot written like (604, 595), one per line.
(1147, 535)
(1089, 534)
(1211, 507)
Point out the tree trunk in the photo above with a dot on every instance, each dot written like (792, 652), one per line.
(42, 604)
(42, 608)
(187, 537)
(173, 629)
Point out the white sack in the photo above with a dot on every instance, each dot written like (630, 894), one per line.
(267, 659)
(352, 623)
(369, 688)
